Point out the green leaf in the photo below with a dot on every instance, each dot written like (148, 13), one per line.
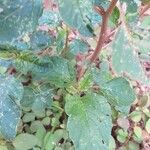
(36, 125)
(136, 116)
(50, 18)
(103, 3)
(122, 135)
(25, 141)
(60, 40)
(78, 46)
(112, 144)
(18, 17)
(125, 59)
(76, 14)
(89, 121)
(43, 99)
(52, 139)
(132, 5)
(114, 18)
(61, 72)
(119, 92)
(11, 92)
(28, 98)
(133, 146)
(86, 82)
(145, 24)
(40, 134)
(28, 117)
(56, 70)
(138, 132)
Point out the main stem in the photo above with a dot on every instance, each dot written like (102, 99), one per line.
(102, 36)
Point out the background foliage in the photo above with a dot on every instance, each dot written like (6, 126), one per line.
(63, 86)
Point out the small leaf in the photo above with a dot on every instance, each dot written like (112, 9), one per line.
(51, 140)
(28, 117)
(133, 146)
(122, 135)
(138, 132)
(147, 126)
(136, 116)
(25, 141)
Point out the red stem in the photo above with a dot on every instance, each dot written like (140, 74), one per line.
(102, 36)
(145, 9)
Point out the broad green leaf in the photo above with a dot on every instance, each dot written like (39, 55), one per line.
(119, 92)
(76, 13)
(25, 141)
(89, 121)
(18, 17)
(125, 59)
(56, 70)
(112, 144)
(11, 92)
